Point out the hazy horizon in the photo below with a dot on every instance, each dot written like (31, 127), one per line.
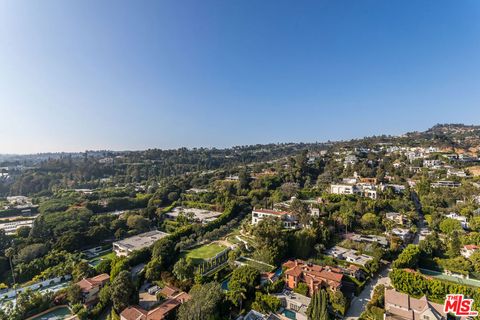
(87, 75)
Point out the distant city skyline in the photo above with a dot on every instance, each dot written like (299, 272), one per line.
(89, 75)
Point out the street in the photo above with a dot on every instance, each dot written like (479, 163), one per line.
(359, 303)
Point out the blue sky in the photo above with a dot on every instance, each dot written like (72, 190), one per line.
(120, 75)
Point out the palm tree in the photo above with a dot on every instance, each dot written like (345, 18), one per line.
(237, 295)
(9, 254)
(347, 217)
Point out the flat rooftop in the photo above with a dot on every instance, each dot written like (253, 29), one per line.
(140, 241)
(198, 214)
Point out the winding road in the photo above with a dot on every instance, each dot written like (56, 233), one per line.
(360, 302)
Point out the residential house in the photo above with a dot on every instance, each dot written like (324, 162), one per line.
(255, 315)
(462, 219)
(361, 189)
(397, 188)
(403, 234)
(342, 189)
(382, 241)
(349, 255)
(431, 163)
(456, 173)
(396, 217)
(468, 250)
(314, 276)
(174, 298)
(350, 160)
(296, 303)
(138, 242)
(445, 184)
(289, 220)
(400, 306)
(353, 256)
(90, 288)
(355, 271)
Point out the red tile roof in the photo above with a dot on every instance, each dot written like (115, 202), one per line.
(88, 284)
(134, 313)
(169, 292)
(314, 274)
(160, 312)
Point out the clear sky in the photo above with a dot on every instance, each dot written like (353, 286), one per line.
(77, 75)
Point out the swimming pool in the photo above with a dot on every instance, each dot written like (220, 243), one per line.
(56, 314)
(289, 314)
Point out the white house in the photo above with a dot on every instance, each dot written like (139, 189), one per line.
(289, 221)
(445, 184)
(361, 189)
(462, 219)
(342, 189)
(431, 163)
(350, 160)
(457, 173)
(468, 250)
(401, 233)
(144, 240)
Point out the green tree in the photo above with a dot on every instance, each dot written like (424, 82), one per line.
(205, 303)
(408, 258)
(301, 211)
(449, 225)
(454, 244)
(246, 277)
(474, 223)
(82, 270)
(317, 310)
(138, 223)
(301, 288)
(183, 269)
(153, 269)
(9, 253)
(369, 220)
(237, 295)
(74, 294)
(266, 303)
(122, 291)
(118, 265)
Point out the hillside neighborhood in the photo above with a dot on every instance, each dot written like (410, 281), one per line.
(371, 229)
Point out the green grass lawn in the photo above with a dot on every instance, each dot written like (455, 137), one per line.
(257, 265)
(96, 260)
(205, 252)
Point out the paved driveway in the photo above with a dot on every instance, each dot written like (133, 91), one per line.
(359, 303)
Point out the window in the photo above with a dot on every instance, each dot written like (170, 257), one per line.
(426, 317)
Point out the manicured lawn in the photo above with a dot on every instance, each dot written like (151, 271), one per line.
(205, 252)
(96, 261)
(262, 267)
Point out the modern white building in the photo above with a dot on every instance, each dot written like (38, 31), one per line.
(126, 246)
(445, 184)
(289, 221)
(199, 215)
(362, 189)
(403, 234)
(349, 255)
(11, 227)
